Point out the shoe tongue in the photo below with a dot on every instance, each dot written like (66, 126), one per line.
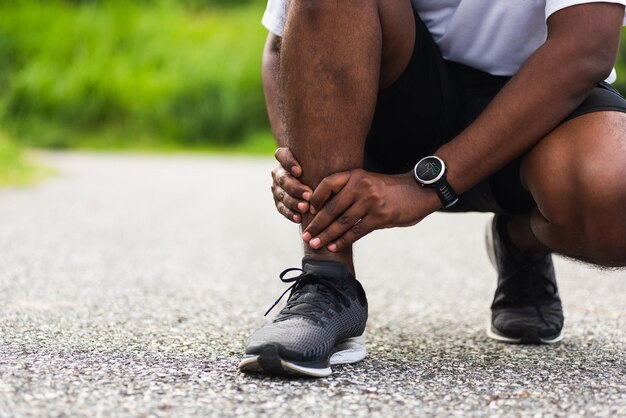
(325, 268)
(309, 292)
(307, 297)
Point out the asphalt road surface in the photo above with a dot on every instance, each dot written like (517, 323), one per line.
(128, 285)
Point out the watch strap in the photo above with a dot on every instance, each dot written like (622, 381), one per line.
(445, 192)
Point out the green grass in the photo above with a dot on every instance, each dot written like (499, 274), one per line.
(114, 74)
(15, 169)
(258, 143)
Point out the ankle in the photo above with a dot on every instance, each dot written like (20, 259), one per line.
(520, 235)
(344, 257)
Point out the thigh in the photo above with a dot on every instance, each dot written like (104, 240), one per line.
(415, 113)
(577, 163)
(398, 33)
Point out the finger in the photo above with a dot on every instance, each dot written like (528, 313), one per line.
(288, 161)
(358, 231)
(296, 205)
(295, 188)
(290, 184)
(330, 212)
(338, 228)
(327, 187)
(288, 213)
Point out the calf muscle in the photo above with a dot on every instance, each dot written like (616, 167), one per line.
(329, 79)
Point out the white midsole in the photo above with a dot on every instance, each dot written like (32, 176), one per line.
(251, 364)
(491, 252)
(350, 350)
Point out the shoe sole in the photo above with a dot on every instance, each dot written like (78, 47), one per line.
(534, 339)
(490, 248)
(350, 350)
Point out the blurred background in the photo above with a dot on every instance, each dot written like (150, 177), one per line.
(155, 75)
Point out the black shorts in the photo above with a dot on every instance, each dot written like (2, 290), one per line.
(433, 101)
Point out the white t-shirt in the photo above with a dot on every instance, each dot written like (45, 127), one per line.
(489, 35)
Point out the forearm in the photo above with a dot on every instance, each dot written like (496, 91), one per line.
(271, 87)
(549, 86)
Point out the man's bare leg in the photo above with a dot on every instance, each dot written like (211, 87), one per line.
(334, 58)
(522, 236)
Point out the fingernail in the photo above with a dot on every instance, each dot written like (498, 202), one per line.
(315, 242)
(295, 171)
(332, 247)
(296, 218)
(306, 196)
(313, 210)
(302, 206)
(306, 236)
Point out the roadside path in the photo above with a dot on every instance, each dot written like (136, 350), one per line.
(128, 285)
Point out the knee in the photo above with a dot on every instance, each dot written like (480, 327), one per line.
(584, 200)
(310, 8)
(316, 9)
(600, 211)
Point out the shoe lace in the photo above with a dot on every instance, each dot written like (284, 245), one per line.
(518, 288)
(331, 291)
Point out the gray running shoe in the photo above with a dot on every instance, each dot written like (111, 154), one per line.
(526, 308)
(322, 324)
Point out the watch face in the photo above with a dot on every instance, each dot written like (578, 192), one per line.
(429, 170)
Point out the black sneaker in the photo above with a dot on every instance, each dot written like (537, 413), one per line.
(322, 324)
(526, 308)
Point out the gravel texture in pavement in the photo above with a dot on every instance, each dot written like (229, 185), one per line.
(128, 285)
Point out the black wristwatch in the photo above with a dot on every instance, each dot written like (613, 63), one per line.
(431, 172)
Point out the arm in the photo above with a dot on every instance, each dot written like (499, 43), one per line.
(579, 53)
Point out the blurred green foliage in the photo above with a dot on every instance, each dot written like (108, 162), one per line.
(164, 74)
(132, 73)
